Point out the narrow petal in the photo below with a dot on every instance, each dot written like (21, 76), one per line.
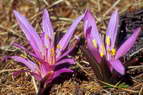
(66, 38)
(32, 66)
(89, 22)
(113, 28)
(68, 60)
(30, 53)
(30, 34)
(128, 44)
(24, 49)
(93, 50)
(47, 29)
(59, 72)
(70, 48)
(64, 54)
(118, 66)
(48, 39)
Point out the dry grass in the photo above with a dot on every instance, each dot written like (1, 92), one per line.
(62, 12)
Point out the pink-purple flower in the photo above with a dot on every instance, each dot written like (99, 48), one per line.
(45, 54)
(105, 47)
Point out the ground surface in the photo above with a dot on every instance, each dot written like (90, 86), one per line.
(62, 12)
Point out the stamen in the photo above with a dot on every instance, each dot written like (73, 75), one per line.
(107, 40)
(46, 37)
(59, 46)
(50, 72)
(52, 52)
(102, 50)
(101, 54)
(113, 51)
(39, 63)
(94, 43)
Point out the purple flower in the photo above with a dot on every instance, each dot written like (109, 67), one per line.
(106, 49)
(43, 48)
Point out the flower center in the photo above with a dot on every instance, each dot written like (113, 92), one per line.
(112, 51)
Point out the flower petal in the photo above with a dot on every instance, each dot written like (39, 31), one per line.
(93, 50)
(66, 38)
(44, 69)
(70, 48)
(47, 29)
(124, 48)
(68, 60)
(89, 22)
(59, 72)
(118, 66)
(64, 54)
(32, 66)
(30, 34)
(24, 49)
(112, 28)
(37, 76)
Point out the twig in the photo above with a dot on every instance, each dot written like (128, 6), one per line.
(125, 8)
(34, 83)
(113, 6)
(10, 70)
(136, 52)
(82, 68)
(62, 18)
(10, 30)
(134, 67)
(87, 63)
(46, 3)
(98, 4)
(141, 91)
(114, 86)
(55, 3)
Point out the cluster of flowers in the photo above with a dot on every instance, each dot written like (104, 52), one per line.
(48, 55)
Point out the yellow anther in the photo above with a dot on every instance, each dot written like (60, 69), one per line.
(59, 46)
(102, 47)
(102, 50)
(109, 51)
(108, 40)
(94, 43)
(39, 63)
(50, 72)
(113, 51)
(52, 52)
(47, 37)
(101, 54)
